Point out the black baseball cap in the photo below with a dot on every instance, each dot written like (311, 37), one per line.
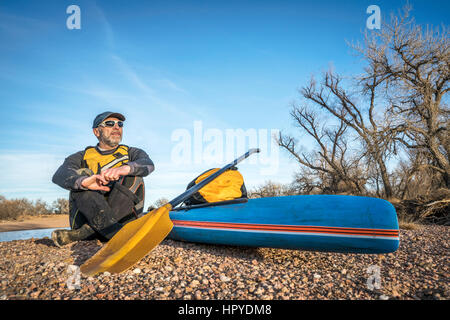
(102, 116)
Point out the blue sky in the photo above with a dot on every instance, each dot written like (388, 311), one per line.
(165, 65)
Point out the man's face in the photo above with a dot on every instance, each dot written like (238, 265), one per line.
(110, 136)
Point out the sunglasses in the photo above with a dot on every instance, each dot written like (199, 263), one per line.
(111, 123)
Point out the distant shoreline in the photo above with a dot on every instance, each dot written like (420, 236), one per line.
(36, 222)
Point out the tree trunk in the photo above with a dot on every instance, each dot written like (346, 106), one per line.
(386, 183)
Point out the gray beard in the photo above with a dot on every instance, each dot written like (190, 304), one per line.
(108, 141)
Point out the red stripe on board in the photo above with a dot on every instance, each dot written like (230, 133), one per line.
(290, 228)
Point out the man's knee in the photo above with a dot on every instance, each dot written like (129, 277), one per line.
(95, 209)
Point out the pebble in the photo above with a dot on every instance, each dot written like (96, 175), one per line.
(181, 270)
(194, 283)
(224, 278)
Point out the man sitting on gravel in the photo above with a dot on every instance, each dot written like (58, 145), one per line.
(105, 182)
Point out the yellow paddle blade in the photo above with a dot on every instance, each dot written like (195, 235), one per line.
(131, 243)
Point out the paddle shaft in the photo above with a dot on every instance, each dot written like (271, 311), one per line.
(188, 193)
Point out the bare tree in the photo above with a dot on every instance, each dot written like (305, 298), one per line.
(350, 111)
(415, 180)
(332, 168)
(271, 189)
(60, 206)
(158, 203)
(412, 65)
(400, 100)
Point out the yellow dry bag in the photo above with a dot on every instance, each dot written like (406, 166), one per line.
(228, 186)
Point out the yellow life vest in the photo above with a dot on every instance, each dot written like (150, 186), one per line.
(98, 162)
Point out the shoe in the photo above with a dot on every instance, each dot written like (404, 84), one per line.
(62, 237)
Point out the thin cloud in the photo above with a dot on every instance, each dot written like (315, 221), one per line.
(20, 27)
(171, 85)
(147, 91)
(106, 26)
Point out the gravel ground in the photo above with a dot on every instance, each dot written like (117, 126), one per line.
(36, 269)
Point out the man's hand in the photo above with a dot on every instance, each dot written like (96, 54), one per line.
(95, 182)
(113, 174)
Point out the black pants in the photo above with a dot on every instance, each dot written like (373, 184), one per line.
(107, 212)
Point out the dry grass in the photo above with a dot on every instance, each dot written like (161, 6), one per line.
(405, 225)
(406, 221)
(15, 209)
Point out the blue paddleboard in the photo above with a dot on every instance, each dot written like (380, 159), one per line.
(333, 223)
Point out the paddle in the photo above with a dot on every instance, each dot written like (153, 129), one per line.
(139, 237)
